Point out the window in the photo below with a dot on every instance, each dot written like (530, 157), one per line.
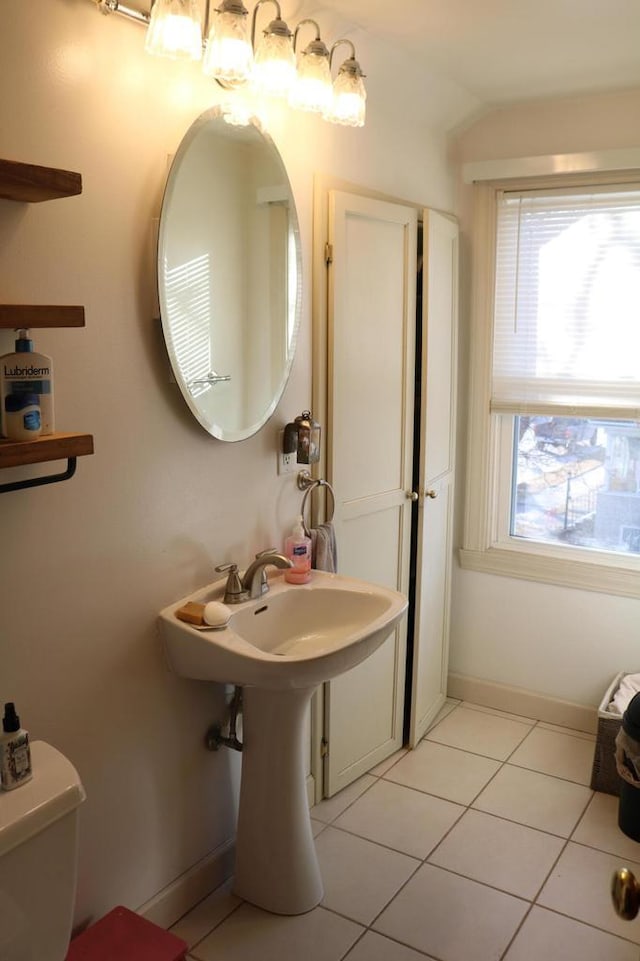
(575, 482)
(556, 440)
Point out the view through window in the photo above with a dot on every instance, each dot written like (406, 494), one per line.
(576, 481)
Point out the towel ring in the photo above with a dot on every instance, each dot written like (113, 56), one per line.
(307, 484)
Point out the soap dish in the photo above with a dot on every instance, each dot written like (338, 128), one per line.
(213, 616)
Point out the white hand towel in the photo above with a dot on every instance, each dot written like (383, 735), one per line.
(627, 688)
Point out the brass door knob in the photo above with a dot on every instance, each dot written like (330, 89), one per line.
(431, 494)
(625, 892)
(412, 495)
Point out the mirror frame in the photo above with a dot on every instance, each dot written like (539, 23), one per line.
(215, 430)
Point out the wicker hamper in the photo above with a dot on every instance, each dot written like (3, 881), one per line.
(604, 776)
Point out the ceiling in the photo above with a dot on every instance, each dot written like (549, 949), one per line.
(501, 51)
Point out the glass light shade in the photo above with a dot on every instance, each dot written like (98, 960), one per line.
(174, 30)
(274, 69)
(349, 99)
(229, 54)
(312, 89)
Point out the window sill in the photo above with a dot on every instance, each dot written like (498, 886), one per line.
(606, 577)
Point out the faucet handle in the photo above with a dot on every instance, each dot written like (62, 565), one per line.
(233, 588)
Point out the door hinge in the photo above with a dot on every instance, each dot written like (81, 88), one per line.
(328, 254)
(324, 747)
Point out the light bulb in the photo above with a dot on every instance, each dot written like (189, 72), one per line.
(349, 97)
(174, 30)
(312, 89)
(229, 55)
(274, 68)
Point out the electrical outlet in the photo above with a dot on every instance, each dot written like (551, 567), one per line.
(287, 463)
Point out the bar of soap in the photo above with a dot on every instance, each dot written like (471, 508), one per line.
(192, 613)
(216, 614)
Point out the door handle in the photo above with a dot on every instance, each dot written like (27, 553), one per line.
(432, 494)
(411, 495)
(625, 892)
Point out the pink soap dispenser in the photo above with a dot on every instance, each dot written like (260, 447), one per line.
(297, 547)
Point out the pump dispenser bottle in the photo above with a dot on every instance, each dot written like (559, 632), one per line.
(297, 548)
(26, 372)
(15, 754)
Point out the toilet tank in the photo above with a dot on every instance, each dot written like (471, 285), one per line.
(38, 859)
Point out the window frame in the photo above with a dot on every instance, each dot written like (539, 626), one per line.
(485, 547)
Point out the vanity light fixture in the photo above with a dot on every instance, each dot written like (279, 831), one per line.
(174, 30)
(312, 89)
(349, 95)
(228, 56)
(173, 26)
(274, 65)
(233, 59)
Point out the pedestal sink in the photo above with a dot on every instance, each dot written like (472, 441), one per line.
(279, 648)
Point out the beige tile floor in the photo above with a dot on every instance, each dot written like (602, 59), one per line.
(485, 843)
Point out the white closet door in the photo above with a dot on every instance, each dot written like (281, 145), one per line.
(371, 347)
(437, 462)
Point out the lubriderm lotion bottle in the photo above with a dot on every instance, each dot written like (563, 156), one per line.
(15, 753)
(27, 372)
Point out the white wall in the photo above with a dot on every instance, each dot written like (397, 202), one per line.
(561, 642)
(88, 563)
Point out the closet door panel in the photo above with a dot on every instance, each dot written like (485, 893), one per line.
(370, 366)
(436, 473)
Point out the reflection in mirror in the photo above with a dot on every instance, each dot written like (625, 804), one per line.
(229, 275)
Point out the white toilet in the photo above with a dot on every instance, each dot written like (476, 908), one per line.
(38, 859)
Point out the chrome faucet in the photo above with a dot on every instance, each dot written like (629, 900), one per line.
(255, 577)
(254, 582)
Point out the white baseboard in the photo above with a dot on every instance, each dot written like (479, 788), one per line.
(517, 700)
(174, 901)
(311, 789)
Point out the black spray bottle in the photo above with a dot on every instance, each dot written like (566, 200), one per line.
(15, 755)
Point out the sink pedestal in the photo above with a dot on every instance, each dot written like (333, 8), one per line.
(278, 648)
(276, 864)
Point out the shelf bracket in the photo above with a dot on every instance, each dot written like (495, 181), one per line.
(40, 481)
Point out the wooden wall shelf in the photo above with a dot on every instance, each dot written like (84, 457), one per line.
(15, 316)
(33, 184)
(14, 453)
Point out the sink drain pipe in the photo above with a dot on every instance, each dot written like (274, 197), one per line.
(214, 737)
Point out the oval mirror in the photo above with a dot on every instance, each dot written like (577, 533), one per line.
(229, 274)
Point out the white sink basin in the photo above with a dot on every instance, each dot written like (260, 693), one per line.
(279, 648)
(293, 636)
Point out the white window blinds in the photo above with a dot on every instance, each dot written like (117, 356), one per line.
(567, 303)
